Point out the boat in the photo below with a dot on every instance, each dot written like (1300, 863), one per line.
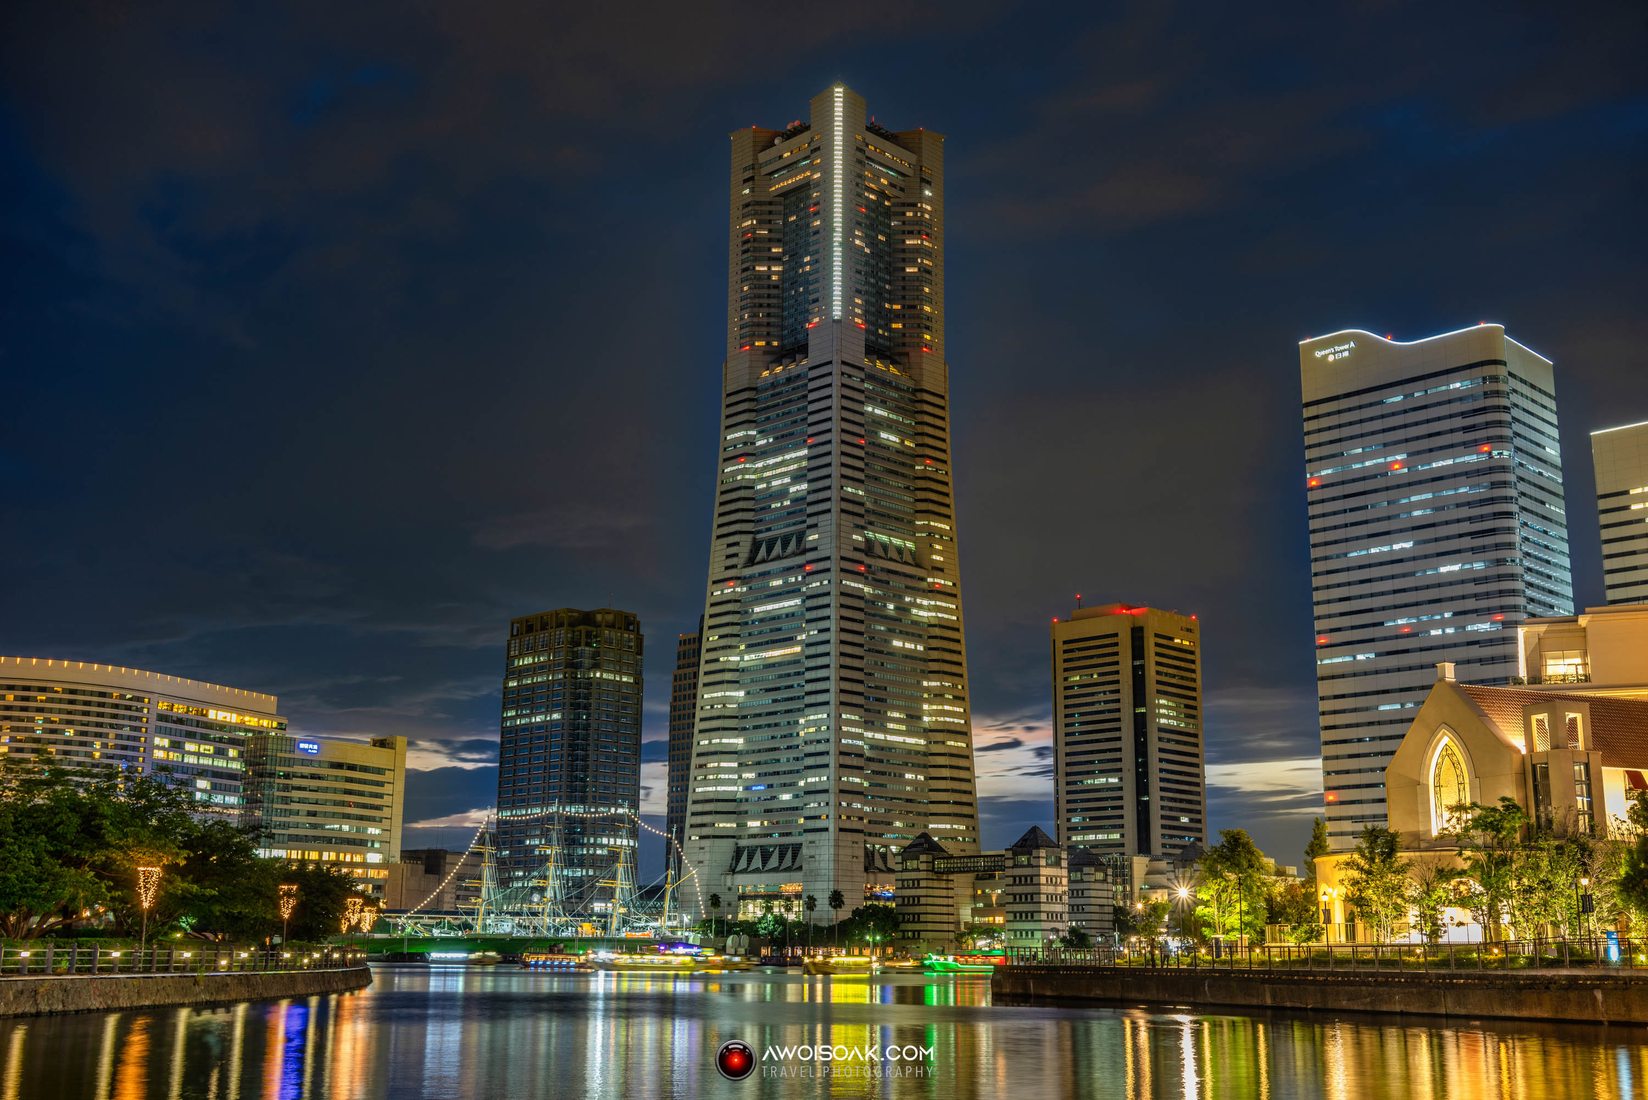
(840, 964)
(554, 960)
(960, 964)
(645, 964)
(725, 963)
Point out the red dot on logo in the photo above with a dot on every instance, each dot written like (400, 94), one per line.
(735, 1060)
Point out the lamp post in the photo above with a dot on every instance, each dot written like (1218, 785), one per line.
(1587, 905)
(148, 888)
(288, 902)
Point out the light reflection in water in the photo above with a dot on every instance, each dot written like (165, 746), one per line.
(474, 1034)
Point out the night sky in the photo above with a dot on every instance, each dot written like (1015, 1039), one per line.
(331, 338)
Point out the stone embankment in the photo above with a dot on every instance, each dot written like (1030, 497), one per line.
(36, 996)
(1590, 996)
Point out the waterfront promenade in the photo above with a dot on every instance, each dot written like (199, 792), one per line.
(50, 978)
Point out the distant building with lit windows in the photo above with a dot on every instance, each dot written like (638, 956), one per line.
(683, 707)
(1620, 457)
(327, 801)
(1433, 475)
(834, 723)
(1127, 731)
(79, 714)
(569, 758)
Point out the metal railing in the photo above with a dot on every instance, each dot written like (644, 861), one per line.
(1590, 953)
(46, 958)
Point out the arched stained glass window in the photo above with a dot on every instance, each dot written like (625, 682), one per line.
(1450, 786)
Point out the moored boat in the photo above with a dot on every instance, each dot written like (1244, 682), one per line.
(840, 964)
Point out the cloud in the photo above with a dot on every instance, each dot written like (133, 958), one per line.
(999, 746)
(586, 527)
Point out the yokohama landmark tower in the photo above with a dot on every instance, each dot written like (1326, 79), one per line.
(832, 725)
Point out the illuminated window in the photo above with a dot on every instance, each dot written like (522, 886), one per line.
(1450, 787)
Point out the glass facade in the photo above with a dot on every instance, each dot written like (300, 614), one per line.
(832, 723)
(569, 759)
(1433, 474)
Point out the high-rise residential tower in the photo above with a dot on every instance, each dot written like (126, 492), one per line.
(1433, 474)
(1127, 731)
(683, 706)
(833, 724)
(1620, 457)
(569, 757)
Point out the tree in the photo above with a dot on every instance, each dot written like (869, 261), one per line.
(1488, 838)
(1293, 906)
(1231, 886)
(715, 910)
(1076, 939)
(1146, 920)
(873, 922)
(1431, 890)
(1318, 846)
(837, 903)
(323, 897)
(1631, 884)
(810, 904)
(1375, 882)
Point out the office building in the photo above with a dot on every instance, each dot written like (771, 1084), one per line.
(569, 757)
(1127, 731)
(683, 706)
(82, 715)
(833, 722)
(1620, 457)
(321, 800)
(1433, 474)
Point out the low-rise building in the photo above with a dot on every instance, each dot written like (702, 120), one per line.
(433, 880)
(1092, 894)
(1570, 757)
(329, 801)
(1022, 890)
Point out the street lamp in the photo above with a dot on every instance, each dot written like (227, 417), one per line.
(288, 902)
(148, 888)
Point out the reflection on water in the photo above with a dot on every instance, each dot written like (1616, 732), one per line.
(498, 1033)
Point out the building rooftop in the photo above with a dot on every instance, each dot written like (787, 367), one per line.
(1619, 727)
(1032, 840)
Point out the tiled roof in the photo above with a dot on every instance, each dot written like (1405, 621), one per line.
(1619, 727)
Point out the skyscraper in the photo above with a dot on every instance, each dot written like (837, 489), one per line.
(1127, 731)
(833, 723)
(683, 705)
(569, 754)
(1620, 457)
(1433, 474)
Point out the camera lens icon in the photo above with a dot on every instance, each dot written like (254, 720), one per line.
(735, 1060)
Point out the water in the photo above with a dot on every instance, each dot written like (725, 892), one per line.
(498, 1034)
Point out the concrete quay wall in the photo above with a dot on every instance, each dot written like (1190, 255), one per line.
(1586, 996)
(38, 996)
